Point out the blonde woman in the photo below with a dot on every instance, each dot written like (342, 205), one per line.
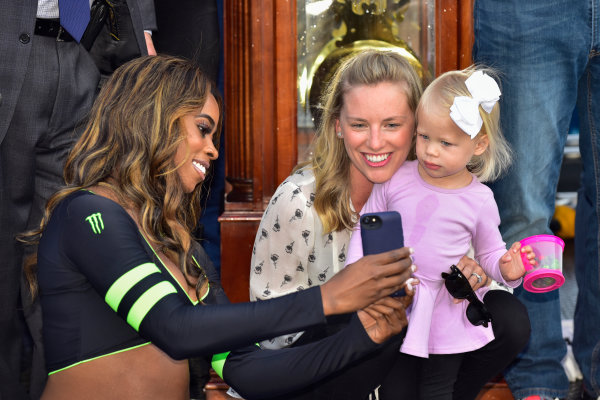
(365, 135)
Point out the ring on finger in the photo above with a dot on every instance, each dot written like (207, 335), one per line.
(479, 278)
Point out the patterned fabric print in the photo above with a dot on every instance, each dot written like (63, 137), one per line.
(290, 251)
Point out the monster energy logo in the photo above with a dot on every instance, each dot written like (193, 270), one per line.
(95, 221)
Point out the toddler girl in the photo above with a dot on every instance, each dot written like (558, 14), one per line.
(445, 209)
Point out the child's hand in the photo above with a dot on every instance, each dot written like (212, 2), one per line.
(511, 264)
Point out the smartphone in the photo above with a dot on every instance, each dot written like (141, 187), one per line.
(381, 232)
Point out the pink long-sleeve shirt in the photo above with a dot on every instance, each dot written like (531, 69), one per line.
(440, 225)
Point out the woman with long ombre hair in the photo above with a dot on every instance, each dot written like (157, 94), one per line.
(127, 295)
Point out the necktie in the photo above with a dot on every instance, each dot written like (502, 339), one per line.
(74, 16)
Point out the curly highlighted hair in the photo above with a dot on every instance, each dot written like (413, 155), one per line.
(128, 146)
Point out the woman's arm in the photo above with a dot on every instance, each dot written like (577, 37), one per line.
(257, 374)
(110, 253)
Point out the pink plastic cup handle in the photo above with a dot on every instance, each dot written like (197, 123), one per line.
(535, 239)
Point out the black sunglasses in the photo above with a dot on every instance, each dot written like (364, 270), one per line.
(459, 287)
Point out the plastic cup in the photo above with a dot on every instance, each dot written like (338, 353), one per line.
(546, 274)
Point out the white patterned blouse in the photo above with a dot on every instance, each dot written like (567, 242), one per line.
(291, 252)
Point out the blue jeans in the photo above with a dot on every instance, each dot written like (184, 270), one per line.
(548, 54)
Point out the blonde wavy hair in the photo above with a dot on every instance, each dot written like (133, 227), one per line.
(442, 91)
(330, 161)
(128, 146)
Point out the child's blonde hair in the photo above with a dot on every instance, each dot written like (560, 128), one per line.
(441, 92)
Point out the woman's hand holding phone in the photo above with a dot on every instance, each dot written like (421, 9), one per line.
(366, 281)
(380, 232)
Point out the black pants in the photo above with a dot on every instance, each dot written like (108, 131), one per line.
(461, 376)
(356, 381)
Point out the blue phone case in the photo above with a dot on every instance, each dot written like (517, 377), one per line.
(381, 232)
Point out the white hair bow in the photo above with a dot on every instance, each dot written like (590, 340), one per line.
(465, 110)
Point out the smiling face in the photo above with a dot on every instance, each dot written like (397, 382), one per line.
(377, 125)
(443, 149)
(195, 153)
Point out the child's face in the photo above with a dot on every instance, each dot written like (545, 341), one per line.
(377, 126)
(443, 149)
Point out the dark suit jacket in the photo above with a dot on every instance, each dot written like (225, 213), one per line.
(32, 154)
(16, 28)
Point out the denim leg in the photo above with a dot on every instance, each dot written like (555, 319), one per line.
(536, 45)
(586, 336)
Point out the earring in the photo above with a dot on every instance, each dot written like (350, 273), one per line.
(339, 134)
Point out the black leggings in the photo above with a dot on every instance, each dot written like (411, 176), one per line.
(461, 376)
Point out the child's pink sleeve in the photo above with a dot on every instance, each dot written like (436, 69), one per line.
(376, 202)
(488, 244)
(355, 250)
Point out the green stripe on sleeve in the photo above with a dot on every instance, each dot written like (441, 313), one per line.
(218, 362)
(121, 286)
(146, 301)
